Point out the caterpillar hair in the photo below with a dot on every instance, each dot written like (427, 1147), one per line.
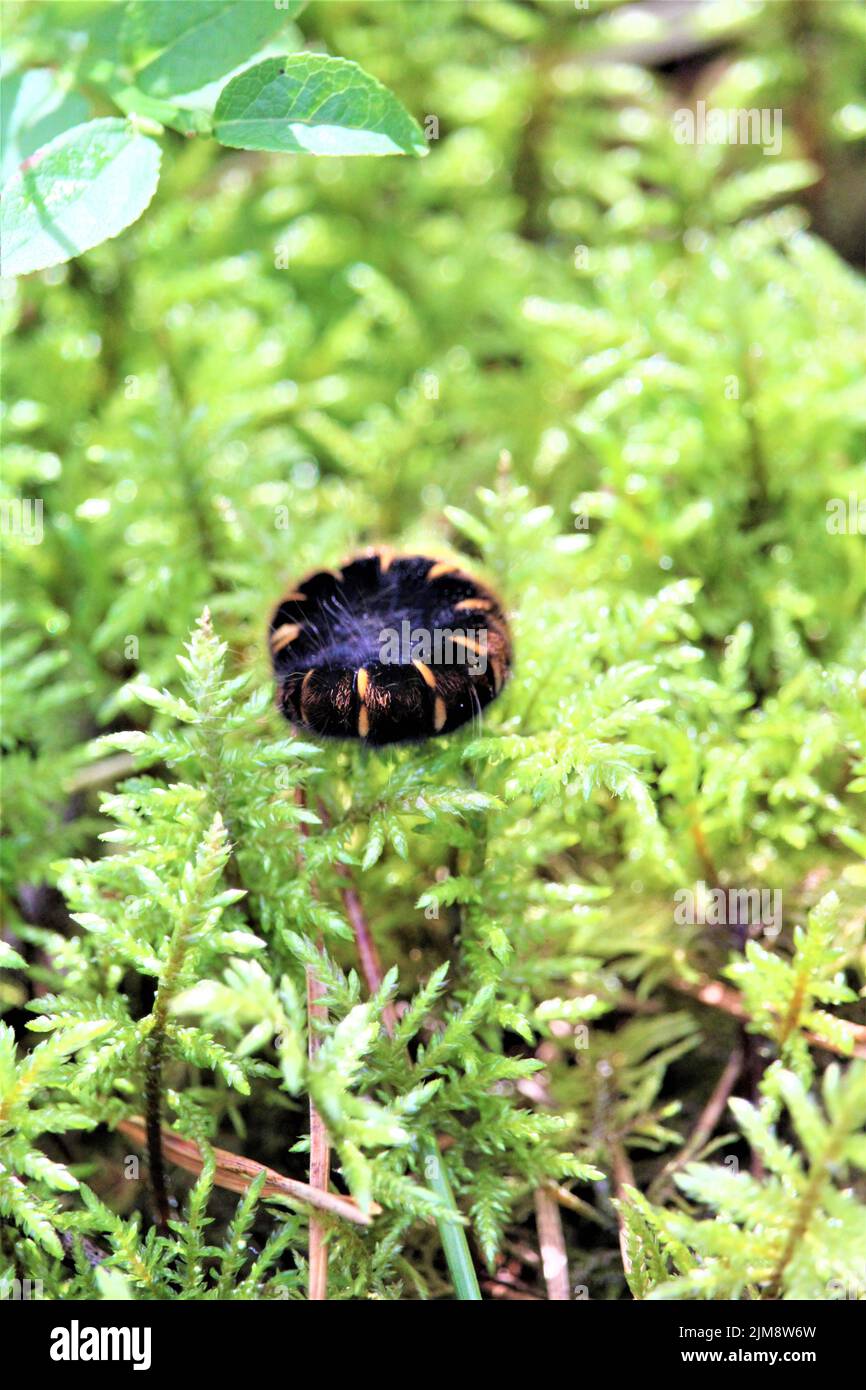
(388, 649)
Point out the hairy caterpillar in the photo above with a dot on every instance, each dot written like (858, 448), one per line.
(389, 648)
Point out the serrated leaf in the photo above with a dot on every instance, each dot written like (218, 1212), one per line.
(34, 107)
(312, 104)
(161, 700)
(10, 959)
(373, 849)
(80, 189)
(17, 1202)
(113, 1285)
(178, 46)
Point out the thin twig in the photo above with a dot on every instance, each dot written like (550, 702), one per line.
(554, 1261)
(368, 955)
(155, 1046)
(568, 1199)
(707, 1121)
(454, 1242)
(320, 1152)
(497, 1289)
(718, 996)
(235, 1173)
(154, 1050)
(622, 1177)
(101, 774)
(371, 966)
(703, 850)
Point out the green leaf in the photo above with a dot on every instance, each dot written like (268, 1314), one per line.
(741, 193)
(451, 1233)
(37, 1165)
(311, 104)
(375, 845)
(34, 107)
(10, 959)
(28, 1213)
(190, 120)
(113, 1285)
(178, 46)
(78, 1035)
(82, 188)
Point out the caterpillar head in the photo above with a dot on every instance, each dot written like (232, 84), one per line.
(388, 649)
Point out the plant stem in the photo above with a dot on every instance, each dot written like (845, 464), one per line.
(623, 1177)
(153, 1108)
(155, 1046)
(568, 1199)
(234, 1173)
(554, 1261)
(320, 1154)
(707, 1121)
(805, 1211)
(155, 1053)
(371, 966)
(718, 996)
(452, 1234)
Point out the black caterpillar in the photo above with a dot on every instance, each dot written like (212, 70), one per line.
(389, 648)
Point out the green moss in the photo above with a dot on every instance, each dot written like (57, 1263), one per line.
(623, 377)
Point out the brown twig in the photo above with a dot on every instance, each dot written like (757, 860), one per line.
(234, 1173)
(554, 1261)
(368, 955)
(154, 1050)
(718, 996)
(101, 774)
(703, 851)
(568, 1199)
(622, 1177)
(707, 1121)
(497, 1289)
(320, 1152)
(371, 966)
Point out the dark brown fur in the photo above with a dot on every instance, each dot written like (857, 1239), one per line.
(326, 648)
